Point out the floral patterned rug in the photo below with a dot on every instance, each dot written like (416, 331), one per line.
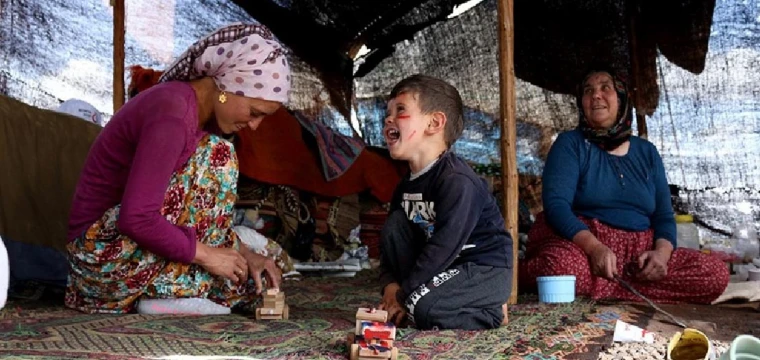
(321, 314)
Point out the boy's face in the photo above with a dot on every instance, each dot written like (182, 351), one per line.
(405, 126)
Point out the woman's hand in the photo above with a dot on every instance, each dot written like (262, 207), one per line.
(602, 260)
(653, 264)
(396, 311)
(224, 262)
(259, 264)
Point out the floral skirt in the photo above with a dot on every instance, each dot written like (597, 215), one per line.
(109, 272)
(692, 277)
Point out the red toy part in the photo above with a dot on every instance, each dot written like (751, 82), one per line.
(378, 330)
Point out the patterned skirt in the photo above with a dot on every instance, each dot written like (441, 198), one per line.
(692, 277)
(109, 272)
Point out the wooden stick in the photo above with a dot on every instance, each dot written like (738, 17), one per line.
(508, 130)
(118, 54)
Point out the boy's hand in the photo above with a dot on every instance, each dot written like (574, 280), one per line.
(396, 311)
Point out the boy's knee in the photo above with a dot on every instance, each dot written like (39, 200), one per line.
(420, 306)
(424, 315)
(430, 315)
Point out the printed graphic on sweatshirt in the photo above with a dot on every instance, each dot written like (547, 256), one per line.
(420, 212)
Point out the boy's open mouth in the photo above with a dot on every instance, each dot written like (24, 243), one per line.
(392, 134)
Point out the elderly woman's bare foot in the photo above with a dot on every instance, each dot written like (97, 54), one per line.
(505, 309)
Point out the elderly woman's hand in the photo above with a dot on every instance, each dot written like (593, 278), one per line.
(653, 266)
(603, 262)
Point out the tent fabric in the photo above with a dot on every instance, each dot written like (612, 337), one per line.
(706, 57)
(554, 40)
(326, 31)
(42, 153)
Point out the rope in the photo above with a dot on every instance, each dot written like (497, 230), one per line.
(295, 205)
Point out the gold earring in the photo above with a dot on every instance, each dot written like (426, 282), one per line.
(222, 97)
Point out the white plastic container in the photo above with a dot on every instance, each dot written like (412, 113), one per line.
(5, 274)
(687, 233)
(745, 236)
(748, 249)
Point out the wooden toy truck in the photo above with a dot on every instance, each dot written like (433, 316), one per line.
(274, 307)
(373, 337)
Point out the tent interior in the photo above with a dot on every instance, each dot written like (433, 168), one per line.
(693, 63)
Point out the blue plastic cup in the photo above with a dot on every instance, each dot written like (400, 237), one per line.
(556, 289)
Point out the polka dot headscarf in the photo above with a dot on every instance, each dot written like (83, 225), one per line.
(242, 59)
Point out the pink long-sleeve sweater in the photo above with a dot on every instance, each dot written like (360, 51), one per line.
(131, 163)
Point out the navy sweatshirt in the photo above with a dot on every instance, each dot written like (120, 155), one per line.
(626, 192)
(459, 216)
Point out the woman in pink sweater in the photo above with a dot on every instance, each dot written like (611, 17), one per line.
(152, 213)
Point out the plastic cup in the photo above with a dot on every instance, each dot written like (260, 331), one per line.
(556, 289)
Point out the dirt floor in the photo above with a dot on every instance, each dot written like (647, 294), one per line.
(718, 322)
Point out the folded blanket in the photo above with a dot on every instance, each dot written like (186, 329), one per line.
(42, 153)
(278, 152)
(746, 290)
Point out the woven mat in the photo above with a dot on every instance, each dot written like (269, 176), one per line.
(322, 313)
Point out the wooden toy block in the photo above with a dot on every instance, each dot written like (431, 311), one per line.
(359, 352)
(272, 311)
(272, 314)
(366, 342)
(374, 353)
(371, 314)
(273, 307)
(277, 297)
(373, 337)
(269, 303)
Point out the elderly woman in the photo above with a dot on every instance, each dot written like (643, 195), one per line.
(607, 210)
(151, 216)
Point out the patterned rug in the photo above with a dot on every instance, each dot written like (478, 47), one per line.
(321, 314)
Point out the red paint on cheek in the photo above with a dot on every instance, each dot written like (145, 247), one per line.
(412, 135)
(402, 117)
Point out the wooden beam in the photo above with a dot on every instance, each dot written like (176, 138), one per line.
(634, 53)
(508, 129)
(118, 54)
(641, 125)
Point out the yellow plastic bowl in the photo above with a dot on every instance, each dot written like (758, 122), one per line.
(691, 344)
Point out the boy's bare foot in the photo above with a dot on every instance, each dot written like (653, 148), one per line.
(505, 309)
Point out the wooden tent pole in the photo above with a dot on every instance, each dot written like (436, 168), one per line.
(508, 129)
(636, 78)
(118, 54)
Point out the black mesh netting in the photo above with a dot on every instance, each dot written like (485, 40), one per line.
(700, 60)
